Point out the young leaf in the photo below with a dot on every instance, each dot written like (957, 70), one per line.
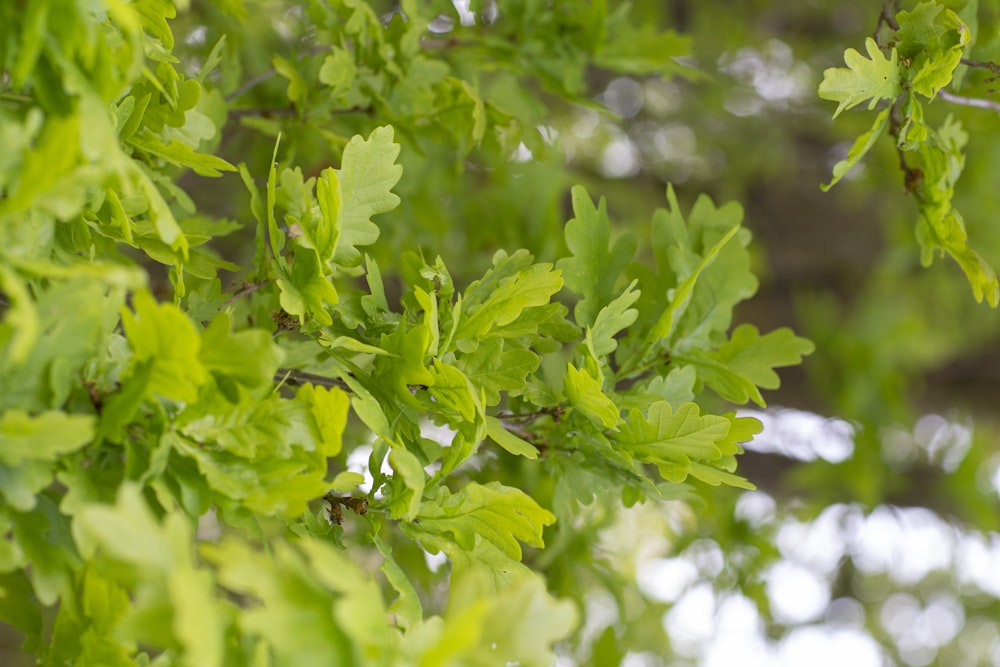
(500, 514)
(367, 174)
(42, 437)
(584, 393)
(861, 145)
(676, 437)
(594, 268)
(164, 335)
(510, 442)
(873, 78)
(746, 362)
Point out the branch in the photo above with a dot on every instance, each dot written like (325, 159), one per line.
(295, 377)
(248, 288)
(981, 64)
(886, 17)
(977, 102)
(264, 77)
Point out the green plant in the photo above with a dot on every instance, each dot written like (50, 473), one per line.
(133, 430)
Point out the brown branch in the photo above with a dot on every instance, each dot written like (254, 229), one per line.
(295, 377)
(887, 17)
(247, 288)
(977, 102)
(555, 412)
(981, 64)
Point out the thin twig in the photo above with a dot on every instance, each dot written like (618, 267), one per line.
(977, 102)
(981, 64)
(248, 288)
(886, 17)
(264, 77)
(294, 376)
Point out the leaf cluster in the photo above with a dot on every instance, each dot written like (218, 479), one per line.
(174, 456)
(925, 56)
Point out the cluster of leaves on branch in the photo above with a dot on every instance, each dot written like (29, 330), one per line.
(926, 55)
(173, 469)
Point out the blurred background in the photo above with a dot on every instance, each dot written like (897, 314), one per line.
(872, 538)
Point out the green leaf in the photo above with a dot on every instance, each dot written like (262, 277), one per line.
(497, 367)
(584, 393)
(681, 297)
(306, 291)
(873, 78)
(406, 609)
(676, 437)
(294, 607)
(499, 514)
(180, 154)
(248, 357)
(128, 534)
(528, 287)
(613, 318)
(162, 334)
(408, 483)
(328, 407)
(594, 268)
(746, 362)
(510, 442)
(42, 437)
(367, 174)
(861, 145)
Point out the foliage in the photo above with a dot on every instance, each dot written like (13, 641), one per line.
(301, 361)
(135, 428)
(927, 48)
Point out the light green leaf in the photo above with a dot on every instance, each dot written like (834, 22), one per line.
(163, 334)
(594, 268)
(406, 609)
(198, 617)
(367, 174)
(861, 146)
(510, 442)
(407, 483)
(613, 318)
(584, 393)
(338, 71)
(250, 357)
(746, 362)
(497, 367)
(129, 534)
(676, 437)
(42, 437)
(873, 78)
(180, 154)
(328, 407)
(306, 291)
(500, 514)
(530, 286)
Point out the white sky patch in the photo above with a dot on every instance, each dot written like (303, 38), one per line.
(620, 158)
(907, 543)
(802, 435)
(817, 646)
(797, 594)
(818, 544)
(665, 579)
(978, 562)
(756, 508)
(691, 622)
